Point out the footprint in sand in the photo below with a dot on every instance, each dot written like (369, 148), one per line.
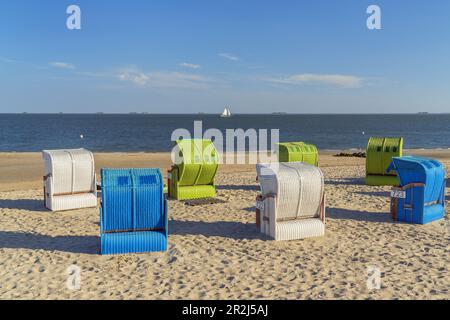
(173, 253)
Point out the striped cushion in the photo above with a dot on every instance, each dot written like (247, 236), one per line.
(70, 202)
(299, 229)
(133, 242)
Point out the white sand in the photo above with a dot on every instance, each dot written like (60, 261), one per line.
(215, 252)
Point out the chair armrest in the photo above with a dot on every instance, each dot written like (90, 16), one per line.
(47, 180)
(266, 196)
(411, 185)
(263, 221)
(323, 208)
(166, 217)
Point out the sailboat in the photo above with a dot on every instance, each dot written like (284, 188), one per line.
(226, 113)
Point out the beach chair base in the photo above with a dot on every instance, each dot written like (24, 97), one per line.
(430, 214)
(193, 192)
(407, 211)
(382, 180)
(133, 242)
(71, 202)
(299, 229)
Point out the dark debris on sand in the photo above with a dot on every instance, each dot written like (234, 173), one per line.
(354, 154)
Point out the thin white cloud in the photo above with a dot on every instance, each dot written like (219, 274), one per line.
(189, 65)
(229, 56)
(163, 79)
(62, 65)
(339, 80)
(133, 75)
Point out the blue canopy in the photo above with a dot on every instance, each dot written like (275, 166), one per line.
(412, 169)
(133, 215)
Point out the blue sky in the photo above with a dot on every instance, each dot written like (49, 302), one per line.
(257, 56)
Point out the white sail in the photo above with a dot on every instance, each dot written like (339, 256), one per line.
(226, 113)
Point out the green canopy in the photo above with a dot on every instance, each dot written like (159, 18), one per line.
(298, 152)
(192, 177)
(379, 154)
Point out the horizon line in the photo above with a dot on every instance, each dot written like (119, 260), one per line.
(218, 114)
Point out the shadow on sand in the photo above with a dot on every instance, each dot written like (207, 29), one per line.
(374, 193)
(250, 209)
(72, 244)
(238, 187)
(225, 229)
(345, 214)
(346, 181)
(23, 204)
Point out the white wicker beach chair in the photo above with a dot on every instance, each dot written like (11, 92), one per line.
(69, 181)
(292, 201)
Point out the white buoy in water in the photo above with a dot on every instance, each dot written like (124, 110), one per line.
(363, 133)
(81, 136)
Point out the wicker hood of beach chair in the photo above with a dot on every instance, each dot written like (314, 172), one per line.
(420, 199)
(69, 180)
(133, 213)
(292, 201)
(192, 177)
(298, 152)
(379, 154)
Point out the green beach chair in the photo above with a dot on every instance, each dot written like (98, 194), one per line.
(379, 154)
(193, 176)
(298, 152)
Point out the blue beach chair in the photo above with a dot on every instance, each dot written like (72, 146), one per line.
(133, 213)
(420, 198)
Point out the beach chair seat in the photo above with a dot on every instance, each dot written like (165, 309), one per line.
(292, 201)
(74, 201)
(298, 152)
(420, 198)
(195, 192)
(300, 229)
(133, 213)
(133, 242)
(192, 176)
(379, 154)
(69, 180)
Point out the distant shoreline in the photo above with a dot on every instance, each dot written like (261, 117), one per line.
(146, 113)
(418, 151)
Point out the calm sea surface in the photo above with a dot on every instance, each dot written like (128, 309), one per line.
(147, 132)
